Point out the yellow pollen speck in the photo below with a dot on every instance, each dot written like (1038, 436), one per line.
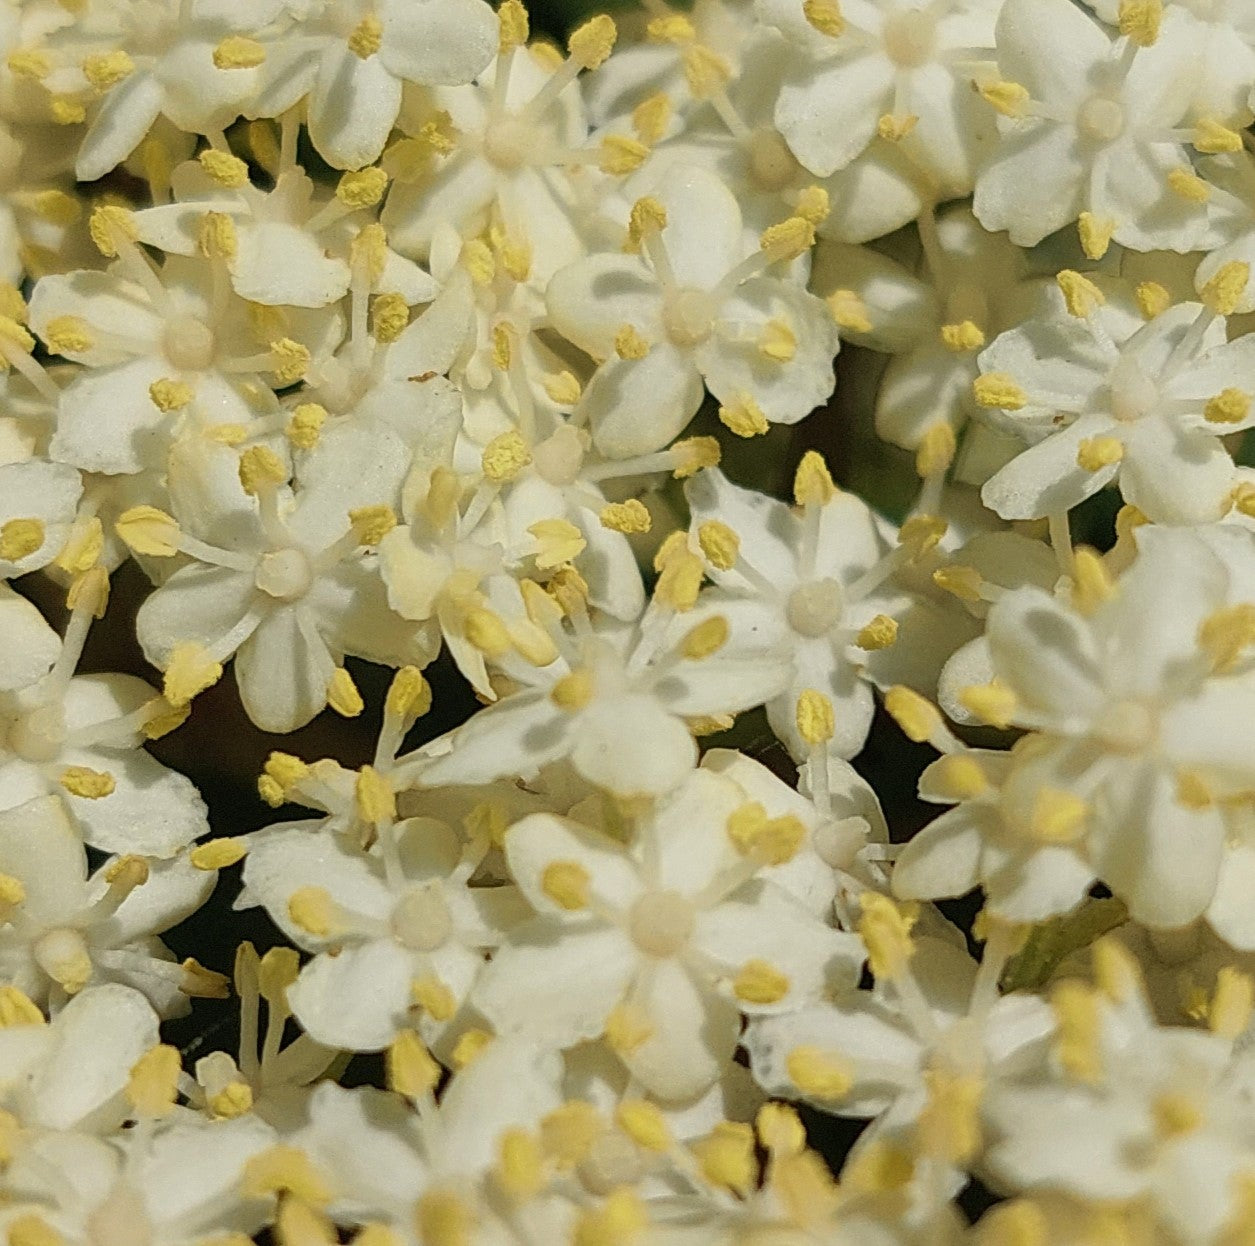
(190, 671)
(813, 204)
(505, 456)
(515, 26)
(371, 524)
(1080, 295)
(812, 482)
(1152, 299)
(1230, 406)
(708, 637)
(233, 1100)
(619, 155)
(362, 188)
(957, 776)
(218, 854)
(629, 344)
(19, 538)
(648, 216)
(1008, 98)
(216, 237)
(1095, 233)
(1096, 453)
(726, 1156)
(1224, 290)
(567, 884)
(305, 425)
(168, 394)
(1058, 817)
(110, 225)
(992, 703)
(922, 533)
(936, 450)
(918, 717)
(68, 335)
(312, 910)
(434, 997)
(86, 783)
(389, 317)
(238, 52)
(758, 982)
(787, 239)
(289, 360)
(705, 72)
(878, 633)
(644, 1123)
(885, 928)
(562, 388)
(373, 796)
(367, 37)
(66, 110)
(743, 416)
(651, 116)
(962, 337)
(225, 169)
(824, 16)
(1139, 21)
(591, 43)
(1186, 183)
(12, 890)
(998, 389)
(29, 63)
(815, 717)
(692, 454)
(893, 128)
(627, 1029)
(153, 1085)
(719, 543)
(260, 468)
(628, 517)
(849, 312)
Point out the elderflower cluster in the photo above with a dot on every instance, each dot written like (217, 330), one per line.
(345, 343)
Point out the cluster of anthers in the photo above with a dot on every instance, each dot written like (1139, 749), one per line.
(389, 332)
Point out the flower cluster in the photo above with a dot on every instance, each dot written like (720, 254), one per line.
(393, 333)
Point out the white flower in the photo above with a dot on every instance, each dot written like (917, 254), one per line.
(696, 305)
(349, 60)
(1104, 395)
(660, 945)
(38, 503)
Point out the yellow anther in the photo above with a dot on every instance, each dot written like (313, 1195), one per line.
(19, 538)
(706, 73)
(29, 63)
(305, 425)
(86, 783)
(815, 717)
(849, 312)
(1225, 635)
(885, 928)
(719, 543)
(671, 28)
(1152, 299)
(620, 154)
(343, 695)
(110, 226)
(562, 388)
(282, 773)
(651, 117)
(936, 450)
(813, 204)
(225, 169)
(17, 1008)
(680, 580)
(812, 482)
(993, 703)
(153, 1084)
(921, 534)
(284, 1170)
(369, 251)
(371, 524)
(1186, 183)
(469, 1045)
(289, 361)
(58, 208)
(708, 637)
(1008, 98)
(644, 1123)
(949, 1126)
(1116, 971)
(520, 1164)
(1096, 453)
(362, 188)
(692, 454)
(29, 1229)
(591, 43)
(68, 335)
(147, 530)
(957, 776)
(1139, 21)
(1175, 1114)
(1193, 791)
(216, 238)
(516, 258)
(127, 873)
(238, 52)
(743, 416)
(567, 884)
(234, 1099)
(505, 456)
(894, 127)
(1080, 295)
(628, 1028)
(1091, 581)
(409, 695)
(569, 1132)
(629, 344)
(1212, 138)
(164, 720)
(1230, 406)
(502, 346)
(631, 516)
(962, 581)
(487, 632)
(824, 16)
(918, 717)
(106, 69)
(1242, 499)
(515, 27)
(367, 37)
(12, 890)
(780, 1129)
(1224, 290)
(1078, 1032)
(1095, 233)
(777, 341)
(434, 997)
(879, 632)
(14, 334)
(445, 1219)
(81, 551)
(66, 110)
(726, 1156)
(1058, 817)
(478, 260)
(312, 910)
(998, 389)
(962, 337)
(558, 541)
(787, 239)
(260, 468)
(227, 434)
(1231, 1005)
(218, 854)
(373, 796)
(619, 1221)
(168, 394)
(276, 972)
(191, 670)
(389, 317)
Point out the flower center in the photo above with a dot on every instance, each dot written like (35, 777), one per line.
(558, 458)
(189, 344)
(284, 574)
(1133, 393)
(660, 922)
(1101, 119)
(507, 142)
(1127, 726)
(772, 164)
(688, 316)
(421, 919)
(815, 608)
(612, 1161)
(38, 735)
(121, 1220)
(910, 38)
